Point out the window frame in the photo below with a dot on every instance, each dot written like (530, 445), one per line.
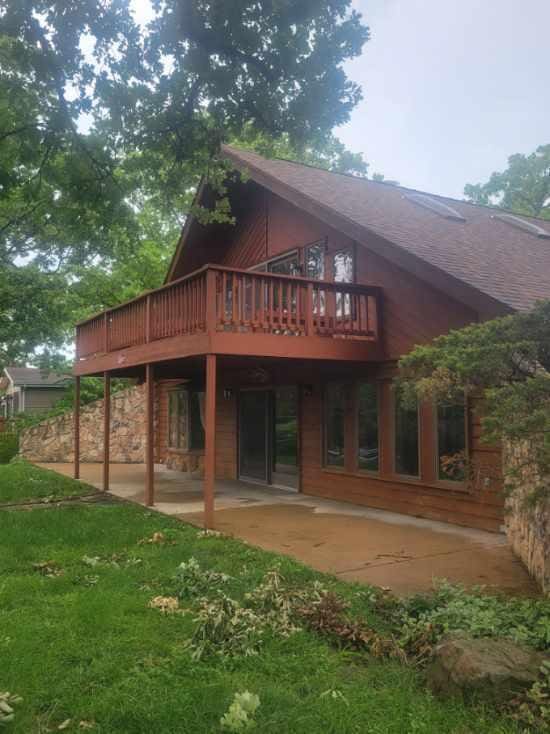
(324, 463)
(408, 477)
(357, 387)
(186, 446)
(450, 483)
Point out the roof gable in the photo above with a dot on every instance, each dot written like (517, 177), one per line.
(508, 265)
(34, 377)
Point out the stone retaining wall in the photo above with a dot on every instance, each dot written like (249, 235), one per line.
(528, 527)
(52, 440)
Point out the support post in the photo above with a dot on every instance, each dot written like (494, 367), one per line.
(106, 428)
(210, 442)
(76, 416)
(149, 435)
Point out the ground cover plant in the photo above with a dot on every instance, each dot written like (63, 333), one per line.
(85, 642)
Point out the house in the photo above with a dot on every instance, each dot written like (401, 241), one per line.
(269, 352)
(30, 390)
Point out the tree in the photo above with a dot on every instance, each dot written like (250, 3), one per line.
(506, 362)
(524, 187)
(103, 122)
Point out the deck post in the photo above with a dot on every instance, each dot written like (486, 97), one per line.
(149, 435)
(106, 427)
(76, 417)
(210, 441)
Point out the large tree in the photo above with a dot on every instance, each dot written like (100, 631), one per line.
(524, 187)
(106, 126)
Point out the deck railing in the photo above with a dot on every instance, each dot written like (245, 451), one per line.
(217, 298)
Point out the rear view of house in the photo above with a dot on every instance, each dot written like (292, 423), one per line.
(270, 351)
(30, 390)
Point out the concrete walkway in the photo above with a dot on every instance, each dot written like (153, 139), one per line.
(352, 542)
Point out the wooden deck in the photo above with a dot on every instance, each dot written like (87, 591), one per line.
(218, 310)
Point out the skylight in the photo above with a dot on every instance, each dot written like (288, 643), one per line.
(522, 224)
(435, 206)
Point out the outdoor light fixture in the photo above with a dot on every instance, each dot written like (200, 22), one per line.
(308, 391)
(227, 393)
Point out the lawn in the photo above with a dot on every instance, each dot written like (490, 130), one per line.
(21, 481)
(79, 642)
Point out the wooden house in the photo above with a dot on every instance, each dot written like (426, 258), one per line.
(270, 350)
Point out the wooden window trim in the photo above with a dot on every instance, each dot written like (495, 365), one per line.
(407, 477)
(459, 485)
(358, 470)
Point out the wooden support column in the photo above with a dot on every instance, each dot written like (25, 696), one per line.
(210, 441)
(149, 435)
(106, 427)
(76, 416)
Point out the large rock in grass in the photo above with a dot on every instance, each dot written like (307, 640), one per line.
(491, 669)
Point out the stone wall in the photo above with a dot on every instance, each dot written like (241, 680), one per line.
(53, 439)
(528, 527)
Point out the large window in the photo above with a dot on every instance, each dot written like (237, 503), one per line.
(368, 458)
(335, 409)
(451, 441)
(315, 261)
(186, 419)
(405, 437)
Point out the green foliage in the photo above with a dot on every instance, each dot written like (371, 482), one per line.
(524, 187)
(9, 446)
(134, 660)
(506, 362)
(240, 715)
(453, 609)
(106, 128)
(534, 706)
(192, 580)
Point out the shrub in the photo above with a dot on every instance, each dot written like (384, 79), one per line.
(9, 446)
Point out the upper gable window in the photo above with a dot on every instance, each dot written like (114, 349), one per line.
(315, 261)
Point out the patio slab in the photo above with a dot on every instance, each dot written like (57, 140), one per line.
(355, 543)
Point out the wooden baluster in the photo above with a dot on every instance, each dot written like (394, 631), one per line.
(234, 303)
(309, 322)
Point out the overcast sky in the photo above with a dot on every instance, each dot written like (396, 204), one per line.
(451, 88)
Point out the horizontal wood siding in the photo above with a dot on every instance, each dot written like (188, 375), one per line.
(41, 399)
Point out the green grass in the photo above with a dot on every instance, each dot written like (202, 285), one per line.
(21, 481)
(98, 653)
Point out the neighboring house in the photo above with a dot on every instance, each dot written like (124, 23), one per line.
(30, 390)
(271, 348)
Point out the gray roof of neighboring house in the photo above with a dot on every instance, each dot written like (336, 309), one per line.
(34, 377)
(473, 244)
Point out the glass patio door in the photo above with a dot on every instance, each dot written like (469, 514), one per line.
(254, 435)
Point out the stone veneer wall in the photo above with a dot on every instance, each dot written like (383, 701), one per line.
(528, 528)
(52, 440)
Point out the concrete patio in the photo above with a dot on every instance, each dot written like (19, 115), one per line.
(354, 543)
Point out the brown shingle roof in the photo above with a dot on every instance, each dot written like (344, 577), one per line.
(498, 260)
(35, 377)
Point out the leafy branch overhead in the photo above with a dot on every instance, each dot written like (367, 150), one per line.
(504, 362)
(106, 127)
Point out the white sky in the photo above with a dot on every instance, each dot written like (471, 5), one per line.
(451, 88)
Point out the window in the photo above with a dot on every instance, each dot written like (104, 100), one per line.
(343, 268)
(451, 441)
(185, 419)
(405, 437)
(315, 261)
(368, 455)
(335, 408)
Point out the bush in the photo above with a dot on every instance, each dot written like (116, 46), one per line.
(9, 446)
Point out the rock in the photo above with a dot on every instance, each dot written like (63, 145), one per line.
(492, 669)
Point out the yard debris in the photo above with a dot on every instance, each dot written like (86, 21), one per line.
(92, 561)
(209, 533)
(64, 725)
(193, 580)
(239, 716)
(165, 604)
(157, 538)
(7, 702)
(335, 694)
(86, 724)
(48, 568)
(117, 560)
